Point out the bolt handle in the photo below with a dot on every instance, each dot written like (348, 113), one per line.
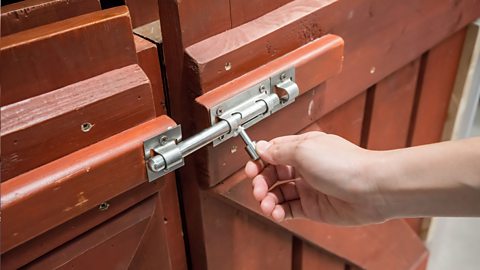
(250, 145)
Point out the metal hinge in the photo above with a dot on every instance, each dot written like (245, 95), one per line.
(165, 152)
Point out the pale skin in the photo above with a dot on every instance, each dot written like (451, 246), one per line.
(325, 178)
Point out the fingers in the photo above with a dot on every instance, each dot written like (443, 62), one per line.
(288, 210)
(252, 168)
(282, 203)
(283, 150)
(270, 176)
(262, 182)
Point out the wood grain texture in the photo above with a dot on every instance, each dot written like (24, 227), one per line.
(148, 60)
(78, 182)
(32, 13)
(112, 245)
(143, 11)
(69, 230)
(46, 127)
(435, 90)
(90, 45)
(161, 247)
(245, 11)
(392, 109)
(372, 30)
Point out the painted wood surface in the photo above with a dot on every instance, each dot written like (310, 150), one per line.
(148, 60)
(28, 14)
(391, 109)
(91, 44)
(381, 37)
(143, 11)
(435, 90)
(78, 182)
(46, 127)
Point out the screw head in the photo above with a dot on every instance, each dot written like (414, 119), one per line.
(86, 127)
(219, 111)
(221, 137)
(228, 66)
(262, 88)
(103, 206)
(163, 140)
(283, 76)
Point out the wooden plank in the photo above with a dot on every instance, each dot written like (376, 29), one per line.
(32, 13)
(111, 245)
(78, 182)
(235, 240)
(309, 257)
(435, 89)
(183, 25)
(222, 237)
(323, 55)
(166, 221)
(46, 127)
(46, 242)
(90, 45)
(143, 11)
(245, 11)
(148, 60)
(346, 121)
(392, 109)
(393, 245)
(371, 29)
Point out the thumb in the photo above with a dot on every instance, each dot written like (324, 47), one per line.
(280, 151)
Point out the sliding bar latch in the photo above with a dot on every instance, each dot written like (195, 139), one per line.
(165, 152)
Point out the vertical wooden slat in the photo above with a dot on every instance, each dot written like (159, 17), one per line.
(391, 109)
(148, 60)
(143, 11)
(435, 89)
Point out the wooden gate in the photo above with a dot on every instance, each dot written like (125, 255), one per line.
(81, 93)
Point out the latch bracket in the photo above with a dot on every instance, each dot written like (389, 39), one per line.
(165, 152)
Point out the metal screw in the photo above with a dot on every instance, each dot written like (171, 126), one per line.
(103, 206)
(283, 76)
(163, 140)
(221, 137)
(219, 111)
(228, 66)
(262, 88)
(86, 127)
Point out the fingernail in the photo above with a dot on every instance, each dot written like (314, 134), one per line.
(262, 146)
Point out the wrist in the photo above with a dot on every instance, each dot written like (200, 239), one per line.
(381, 175)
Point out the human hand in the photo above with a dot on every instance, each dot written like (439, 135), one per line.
(316, 176)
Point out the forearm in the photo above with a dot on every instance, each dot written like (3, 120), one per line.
(440, 179)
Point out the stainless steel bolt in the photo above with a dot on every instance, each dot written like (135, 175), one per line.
(156, 163)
